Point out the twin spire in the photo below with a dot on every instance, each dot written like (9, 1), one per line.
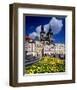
(46, 36)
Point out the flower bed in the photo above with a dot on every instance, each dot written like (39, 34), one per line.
(46, 65)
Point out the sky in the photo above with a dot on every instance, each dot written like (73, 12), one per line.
(56, 23)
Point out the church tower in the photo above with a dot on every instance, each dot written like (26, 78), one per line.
(42, 34)
(49, 36)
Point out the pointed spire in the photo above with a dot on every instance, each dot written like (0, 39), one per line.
(42, 33)
(42, 28)
(50, 30)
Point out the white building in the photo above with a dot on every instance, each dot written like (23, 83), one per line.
(49, 49)
(30, 48)
(58, 48)
(36, 48)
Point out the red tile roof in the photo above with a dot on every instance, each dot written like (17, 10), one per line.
(28, 38)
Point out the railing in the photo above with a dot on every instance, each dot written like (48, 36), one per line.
(29, 60)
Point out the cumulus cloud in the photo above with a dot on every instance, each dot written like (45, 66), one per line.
(38, 29)
(46, 27)
(55, 25)
(33, 35)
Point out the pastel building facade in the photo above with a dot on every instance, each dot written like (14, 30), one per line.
(35, 49)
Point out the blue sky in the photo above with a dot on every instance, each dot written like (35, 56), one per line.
(32, 26)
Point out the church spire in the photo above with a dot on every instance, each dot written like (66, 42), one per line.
(42, 29)
(42, 33)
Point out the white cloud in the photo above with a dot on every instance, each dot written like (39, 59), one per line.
(56, 25)
(38, 29)
(46, 28)
(33, 35)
